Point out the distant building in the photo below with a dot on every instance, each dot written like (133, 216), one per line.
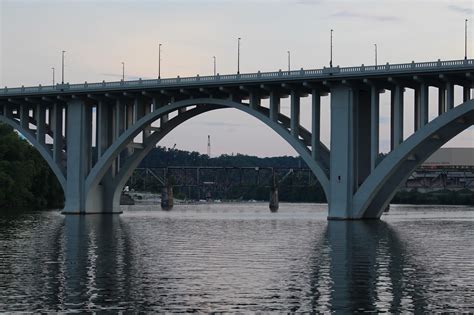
(451, 158)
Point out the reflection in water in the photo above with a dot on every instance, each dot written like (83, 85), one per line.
(225, 259)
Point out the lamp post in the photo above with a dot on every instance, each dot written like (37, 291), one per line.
(53, 75)
(289, 61)
(465, 39)
(330, 61)
(123, 71)
(214, 57)
(62, 66)
(375, 56)
(159, 61)
(238, 55)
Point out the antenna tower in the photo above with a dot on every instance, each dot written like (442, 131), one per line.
(208, 145)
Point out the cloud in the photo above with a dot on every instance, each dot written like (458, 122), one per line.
(309, 2)
(220, 124)
(355, 15)
(459, 9)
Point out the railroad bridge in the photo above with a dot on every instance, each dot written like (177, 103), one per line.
(93, 135)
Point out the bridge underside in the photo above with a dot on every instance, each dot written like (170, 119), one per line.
(94, 141)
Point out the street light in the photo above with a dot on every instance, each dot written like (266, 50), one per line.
(214, 57)
(330, 61)
(465, 39)
(53, 75)
(62, 72)
(123, 71)
(289, 61)
(375, 56)
(159, 61)
(238, 55)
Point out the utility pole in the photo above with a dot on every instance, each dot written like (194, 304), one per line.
(159, 61)
(238, 55)
(330, 61)
(209, 146)
(289, 61)
(465, 39)
(53, 75)
(375, 56)
(62, 73)
(123, 71)
(214, 57)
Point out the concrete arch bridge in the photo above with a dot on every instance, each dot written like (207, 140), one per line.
(93, 155)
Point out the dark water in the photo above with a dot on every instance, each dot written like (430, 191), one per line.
(238, 258)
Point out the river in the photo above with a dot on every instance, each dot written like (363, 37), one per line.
(238, 258)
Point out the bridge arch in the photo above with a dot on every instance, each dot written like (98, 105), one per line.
(374, 195)
(40, 148)
(202, 105)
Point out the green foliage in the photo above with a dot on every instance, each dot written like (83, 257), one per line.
(26, 182)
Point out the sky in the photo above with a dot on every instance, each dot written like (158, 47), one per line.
(99, 35)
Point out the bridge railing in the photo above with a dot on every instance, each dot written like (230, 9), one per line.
(259, 76)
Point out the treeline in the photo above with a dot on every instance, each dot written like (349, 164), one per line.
(163, 157)
(26, 181)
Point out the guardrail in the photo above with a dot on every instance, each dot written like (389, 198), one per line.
(259, 76)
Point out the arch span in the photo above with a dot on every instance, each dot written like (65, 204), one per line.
(41, 149)
(101, 167)
(380, 187)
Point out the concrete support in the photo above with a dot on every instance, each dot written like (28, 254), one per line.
(77, 152)
(57, 128)
(396, 125)
(315, 123)
(274, 203)
(449, 95)
(295, 113)
(119, 120)
(254, 100)
(274, 105)
(362, 133)
(167, 198)
(25, 117)
(441, 100)
(417, 110)
(343, 102)
(466, 93)
(40, 123)
(424, 100)
(104, 127)
(374, 126)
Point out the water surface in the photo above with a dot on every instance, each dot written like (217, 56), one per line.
(238, 257)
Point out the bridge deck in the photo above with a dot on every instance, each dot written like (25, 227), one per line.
(339, 73)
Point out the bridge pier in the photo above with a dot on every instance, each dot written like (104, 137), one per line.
(351, 154)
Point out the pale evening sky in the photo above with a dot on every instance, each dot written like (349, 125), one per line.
(99, 35)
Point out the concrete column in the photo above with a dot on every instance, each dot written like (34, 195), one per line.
(274, 203)
(417, 110)
(103, 128)
(449, 95)
(25, 117)
(254, 100)
(295, 113)
(76, 157)
(57, 128)
(40, 123)
(466, 93)
(315, 123)
(424, 100)
(374, 126)
(362, 133)
(119, 118)
(167, 200)
(441, 100)
(88, 138)
(343, 102)
(274, 105)
(397, 116)
(138, 109)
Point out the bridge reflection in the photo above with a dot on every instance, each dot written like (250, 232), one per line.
(353, 266)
